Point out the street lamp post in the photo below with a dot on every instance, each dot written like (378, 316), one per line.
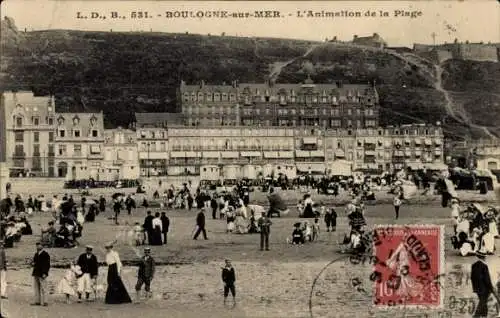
(149, 162)
(43, 164)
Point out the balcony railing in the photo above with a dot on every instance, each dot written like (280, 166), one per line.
(19, 155)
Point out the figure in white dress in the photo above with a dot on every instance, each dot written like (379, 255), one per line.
(66, 285)
(399, 262)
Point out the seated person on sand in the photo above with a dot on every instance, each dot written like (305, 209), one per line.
(26, 226)
(49, 235)
(356, 244)
(307, 230)
(11, 235)
(65, 237)
(297, 235)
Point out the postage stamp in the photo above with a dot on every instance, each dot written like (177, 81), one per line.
(410, 261)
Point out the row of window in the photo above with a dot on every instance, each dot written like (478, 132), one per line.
(35, 121)
(76, 133)
(267, 97)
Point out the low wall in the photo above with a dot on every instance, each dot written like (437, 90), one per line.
(36, 186)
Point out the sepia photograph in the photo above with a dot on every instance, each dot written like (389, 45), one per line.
(253, 159)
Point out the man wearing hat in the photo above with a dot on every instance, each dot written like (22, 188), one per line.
(200, 224)
(41, 268)
(145, 274)
(481, 284)
(89, 266)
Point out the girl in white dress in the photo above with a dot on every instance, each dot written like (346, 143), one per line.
(66, 284)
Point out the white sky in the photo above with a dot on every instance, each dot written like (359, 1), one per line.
(472, 20)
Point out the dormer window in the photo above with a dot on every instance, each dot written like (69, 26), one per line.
(93, 120)
(60, 120)
(76, 120)
(186, 97)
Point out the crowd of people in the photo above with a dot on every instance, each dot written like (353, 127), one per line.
(475, 230)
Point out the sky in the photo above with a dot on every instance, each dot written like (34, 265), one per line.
(472, 20)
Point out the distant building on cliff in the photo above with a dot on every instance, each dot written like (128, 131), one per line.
(374, 41)
(458, 50)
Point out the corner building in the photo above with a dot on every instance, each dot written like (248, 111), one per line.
(29, 133)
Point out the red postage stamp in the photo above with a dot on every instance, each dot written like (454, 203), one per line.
(408, 267)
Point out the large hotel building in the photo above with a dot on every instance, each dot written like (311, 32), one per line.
(286, 105)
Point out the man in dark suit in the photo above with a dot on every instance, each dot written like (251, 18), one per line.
(200, 223)
(228, 278)
(148, 226)
(481, 284)
(165, 224)
(41, 267)
(90, 268)
(145, 274)
(265, 229)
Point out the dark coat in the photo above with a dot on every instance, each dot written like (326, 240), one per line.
(165, 223)
(228, 275)
(88, 265)
(146, 268)
(480, 278)
(200, 219)
(148, 223)
(41, 264)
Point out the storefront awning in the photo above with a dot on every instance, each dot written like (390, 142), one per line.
(250, 154)
(313, 167)
(178, 154)
(210, 154)
(285, 154)
(302, 153)
(230, 154)
(309, 140)
(95, 149)
(271, 154)
(191, 154)
(317, 154)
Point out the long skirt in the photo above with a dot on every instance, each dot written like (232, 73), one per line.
(157, 239)
(116, 292)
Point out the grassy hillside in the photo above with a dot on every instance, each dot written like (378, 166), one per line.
(121, 73)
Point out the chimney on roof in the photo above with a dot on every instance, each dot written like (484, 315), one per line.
(375, 34)
(202, 84)
(355, 36)
(335, 39)
(339, 84)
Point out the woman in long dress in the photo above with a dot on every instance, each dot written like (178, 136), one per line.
(116, 292)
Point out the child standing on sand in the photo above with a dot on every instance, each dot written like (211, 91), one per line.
(66, 285)
(315, 229)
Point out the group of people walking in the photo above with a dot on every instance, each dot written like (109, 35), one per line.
(83, 274)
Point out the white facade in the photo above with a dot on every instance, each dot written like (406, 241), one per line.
(121, 158)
